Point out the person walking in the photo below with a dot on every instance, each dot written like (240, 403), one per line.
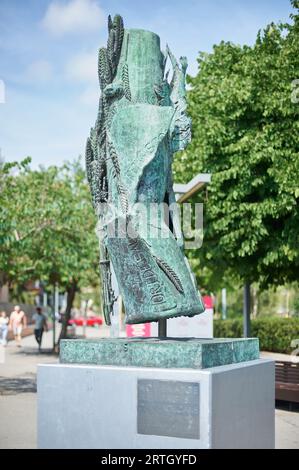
(17, 321)
(4, 320)
(40, 324)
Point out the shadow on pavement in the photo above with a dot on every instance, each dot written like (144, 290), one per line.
(27, 351)
(287, 406)
(16, 385)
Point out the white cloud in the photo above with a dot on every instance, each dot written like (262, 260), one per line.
(73, 17)
(40, 71)
(90, 97)
(83, 67)
(2, 93)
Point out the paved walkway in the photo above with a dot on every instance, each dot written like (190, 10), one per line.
(279, 357)
(18, 396)
(18, 392)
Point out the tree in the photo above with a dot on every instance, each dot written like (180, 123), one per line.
(244, 107)
(9, 246)
(50, 230)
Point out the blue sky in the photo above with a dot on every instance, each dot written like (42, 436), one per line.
(48, 57)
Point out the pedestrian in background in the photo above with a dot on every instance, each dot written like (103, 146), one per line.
(17, 321)
(4, 320)
(40, 324)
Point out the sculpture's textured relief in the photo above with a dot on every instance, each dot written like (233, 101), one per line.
(141, 122)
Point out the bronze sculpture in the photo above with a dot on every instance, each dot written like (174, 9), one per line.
(141, 122)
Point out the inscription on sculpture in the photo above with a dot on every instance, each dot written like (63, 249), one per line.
(168, 408)
(147, 274)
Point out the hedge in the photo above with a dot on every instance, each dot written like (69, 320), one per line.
(275, 334)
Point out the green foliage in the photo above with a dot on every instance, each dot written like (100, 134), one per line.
(245, 132)
(47, 226)
(275, 334)
(228, 328)
(8, 233)
(47, 229)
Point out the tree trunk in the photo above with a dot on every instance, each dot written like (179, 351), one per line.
(246, 310)
(4, 288)
(255, 302)
(71, 292)
(2, 279)
(4, 293)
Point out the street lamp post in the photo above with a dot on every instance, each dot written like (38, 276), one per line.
(246, 311)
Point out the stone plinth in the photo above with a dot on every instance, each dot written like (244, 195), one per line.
(191, 353)
(109, 407)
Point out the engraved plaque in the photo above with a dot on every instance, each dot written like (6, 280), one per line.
(168, 408)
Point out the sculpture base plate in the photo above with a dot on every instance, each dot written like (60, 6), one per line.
(188, 353)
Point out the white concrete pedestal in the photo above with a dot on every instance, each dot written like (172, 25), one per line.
(107, 407)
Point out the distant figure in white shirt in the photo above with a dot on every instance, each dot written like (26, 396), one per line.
(4, 320)
(40, 325)
(17, 321)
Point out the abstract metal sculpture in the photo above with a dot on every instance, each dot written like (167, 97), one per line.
(141, 122)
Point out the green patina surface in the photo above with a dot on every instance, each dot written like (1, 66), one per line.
(142, 121)
(162, 353)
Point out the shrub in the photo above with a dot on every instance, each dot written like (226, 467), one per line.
(275, 334)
